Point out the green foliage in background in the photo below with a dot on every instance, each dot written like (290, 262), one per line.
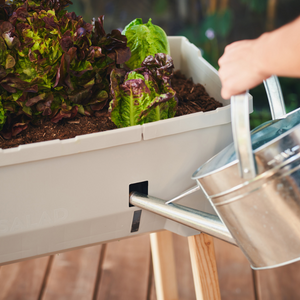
(256, 5)
(160, 7)
(221, 22)
(213, 32)
(290, 90)
(76, 7)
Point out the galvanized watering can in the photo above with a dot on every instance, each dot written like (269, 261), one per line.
(253, 185)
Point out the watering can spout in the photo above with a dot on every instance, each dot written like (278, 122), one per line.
(204, 222)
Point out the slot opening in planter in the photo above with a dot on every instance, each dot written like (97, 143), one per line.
(140, 187)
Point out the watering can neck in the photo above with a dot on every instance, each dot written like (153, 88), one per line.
(204, 222)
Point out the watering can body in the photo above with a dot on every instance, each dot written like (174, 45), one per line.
(263, 212)
(253, 185)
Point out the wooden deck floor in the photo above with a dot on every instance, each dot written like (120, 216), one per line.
(122, 270)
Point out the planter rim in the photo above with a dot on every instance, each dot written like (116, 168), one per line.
(113, 138)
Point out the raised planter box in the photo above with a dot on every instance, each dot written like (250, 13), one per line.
(59, 195)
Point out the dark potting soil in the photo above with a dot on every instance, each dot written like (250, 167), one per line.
(191, 98)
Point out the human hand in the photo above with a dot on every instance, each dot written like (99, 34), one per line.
(240, 68)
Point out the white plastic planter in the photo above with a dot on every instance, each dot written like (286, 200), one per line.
(59, 195)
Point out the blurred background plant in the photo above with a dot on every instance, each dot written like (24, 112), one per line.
(210, 25)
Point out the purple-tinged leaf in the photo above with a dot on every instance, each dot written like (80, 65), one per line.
(160, 65)
(81, 96)
(66, 43)
(80, 32)
(50, 23)
(22, 99)
(60, 116)
(14, 82)
(63, 75)
(74, 111)
(6, 27)
(8, 88)
(2, 72)
(31, 56)
(71, 15)
(17, 128)
(36, 99)
(122, 55)
(45, 106)
(6, 134)
(10, 106)
(20, 14)
(99, 29)
(63, 113)
(97, 51)
(99, 106)
(10, 62)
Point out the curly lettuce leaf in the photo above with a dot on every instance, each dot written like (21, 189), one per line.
(52, 63)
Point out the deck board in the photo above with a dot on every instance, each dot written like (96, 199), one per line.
(73, 275)
(235, 276)
(184, 273)
(125, 273)
(152, 293)
(279, 283)
(22, 280)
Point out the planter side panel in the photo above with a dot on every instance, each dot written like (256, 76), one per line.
(83, 199)
(68, 202)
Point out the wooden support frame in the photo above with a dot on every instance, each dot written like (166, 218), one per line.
(164, 265)
(204, 267)
(203, 261)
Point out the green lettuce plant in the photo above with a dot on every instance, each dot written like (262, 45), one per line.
(145, 94)
(52, 63)
(144, 40)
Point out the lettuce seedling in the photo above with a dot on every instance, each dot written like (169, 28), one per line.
(145, 94)
(144, 40)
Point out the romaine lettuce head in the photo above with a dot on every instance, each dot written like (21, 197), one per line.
(145, 94)
(131, 98)
(144, 40)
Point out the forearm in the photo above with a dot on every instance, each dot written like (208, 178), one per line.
(278, 52)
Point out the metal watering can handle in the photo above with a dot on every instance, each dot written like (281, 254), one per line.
(241, 124)
(275, 97)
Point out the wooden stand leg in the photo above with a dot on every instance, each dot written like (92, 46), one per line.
(204, 267)
(164, 265)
